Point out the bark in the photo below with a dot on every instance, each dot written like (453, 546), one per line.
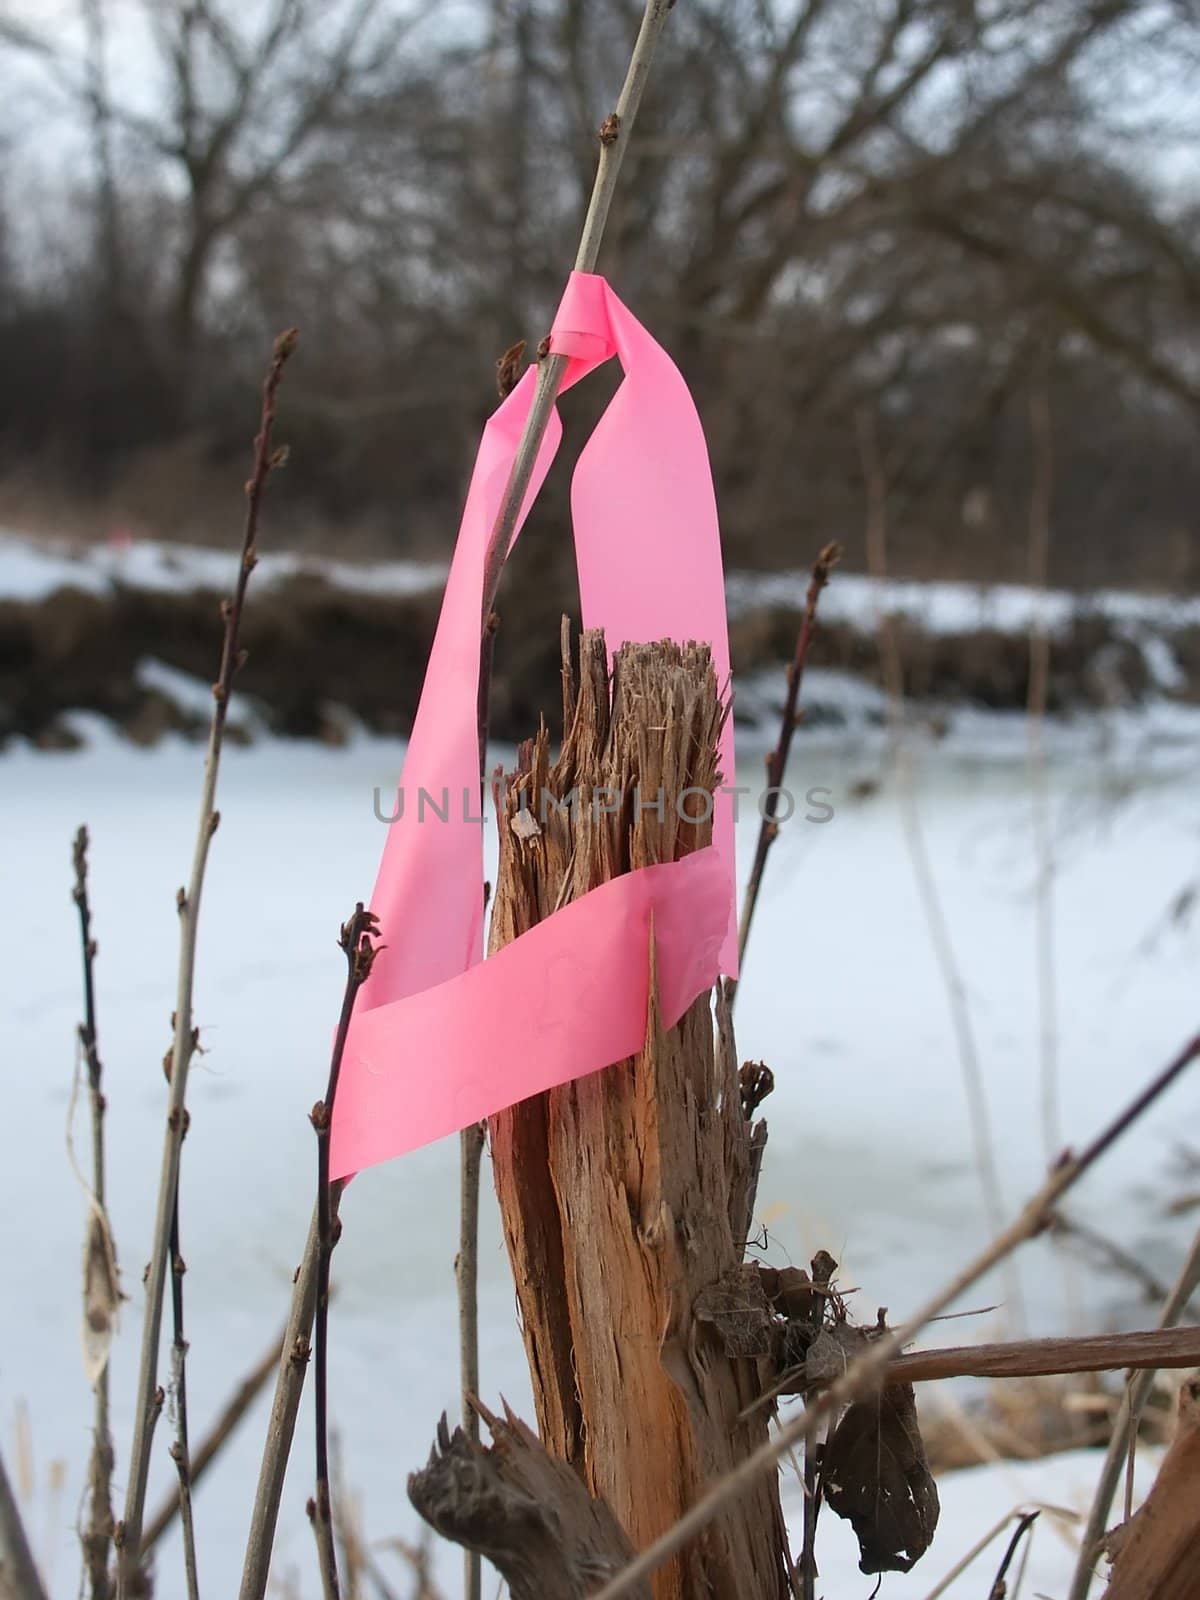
(524, 1510)
(1158, 1552)
(623, 1195)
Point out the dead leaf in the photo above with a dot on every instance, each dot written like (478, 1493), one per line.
(738, 1310)
(101, 1295)
(876, 1475)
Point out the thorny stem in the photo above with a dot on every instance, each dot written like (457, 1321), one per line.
(355, 941)
(875, 479)
(97, 1537)
(17, 1566)
(266, 458)
(613, 139)
(870, 1364)
(768, 830)
(180, 1454)
(1124, 1429)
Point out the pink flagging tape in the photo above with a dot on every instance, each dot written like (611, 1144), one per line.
(440, 1038)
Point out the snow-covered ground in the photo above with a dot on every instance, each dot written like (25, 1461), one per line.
(870, 1152)
(31, 569)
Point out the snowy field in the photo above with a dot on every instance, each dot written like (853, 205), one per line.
(870, 1147)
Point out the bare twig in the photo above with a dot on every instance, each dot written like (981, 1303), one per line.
(281, 1427)
(1111, 1254)
(768, 830)
(942, 1586)
(1042, 441)
(466, 1274)
(234, 1409)
(97, 1537)
(1125, 1430)
(266, 458)
(613, 139)
(1037, 1358)
(19, 1575)
(356, 943)
(179, 1446)
(875, 477)
(1000, 1583)
(1023, 1358)
(869, 1366)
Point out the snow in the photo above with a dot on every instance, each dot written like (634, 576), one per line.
(32, 569)
(870, 1143)
(946, 606)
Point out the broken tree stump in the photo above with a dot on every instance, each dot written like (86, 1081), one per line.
(624, 1194)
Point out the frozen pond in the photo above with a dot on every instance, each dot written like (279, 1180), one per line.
(870, 1145)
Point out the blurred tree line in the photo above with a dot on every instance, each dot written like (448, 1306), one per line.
(938, 210)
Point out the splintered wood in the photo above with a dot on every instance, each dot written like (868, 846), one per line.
(1156, 1556)
(624, 1194)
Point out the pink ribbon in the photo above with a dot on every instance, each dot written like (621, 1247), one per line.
(440, 1038)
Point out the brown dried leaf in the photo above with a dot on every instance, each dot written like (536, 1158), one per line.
(738, 1310)
(876, 1475)
(832, 1351)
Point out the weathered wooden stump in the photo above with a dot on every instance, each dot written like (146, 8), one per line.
(624, 1195)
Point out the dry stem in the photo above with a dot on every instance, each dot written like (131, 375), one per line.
(234, 1409)
(97, 1537)
(180, 1454)
(777, 761)
(875, 477)
(355, 940)
(1042, 441)
(18, 1572)
(466, 1274)
(281, 1427)
(184, 1044)
(1125, 1430)
(869, 1366)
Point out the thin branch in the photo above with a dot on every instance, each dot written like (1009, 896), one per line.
(355, 941)
(613, 137)
(281, 1427)
(1109, 1253)
(179, 1447)
(870, 1364)
(234, 1409)
(1022, 1358)
(1041, 499)
(18, 1571)
(1038, 1358)
(1125, 1430)
(266, 458)
(466, 1275)
(875, 478)
(768, 830)
(999, 1587)
(97, 1537)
